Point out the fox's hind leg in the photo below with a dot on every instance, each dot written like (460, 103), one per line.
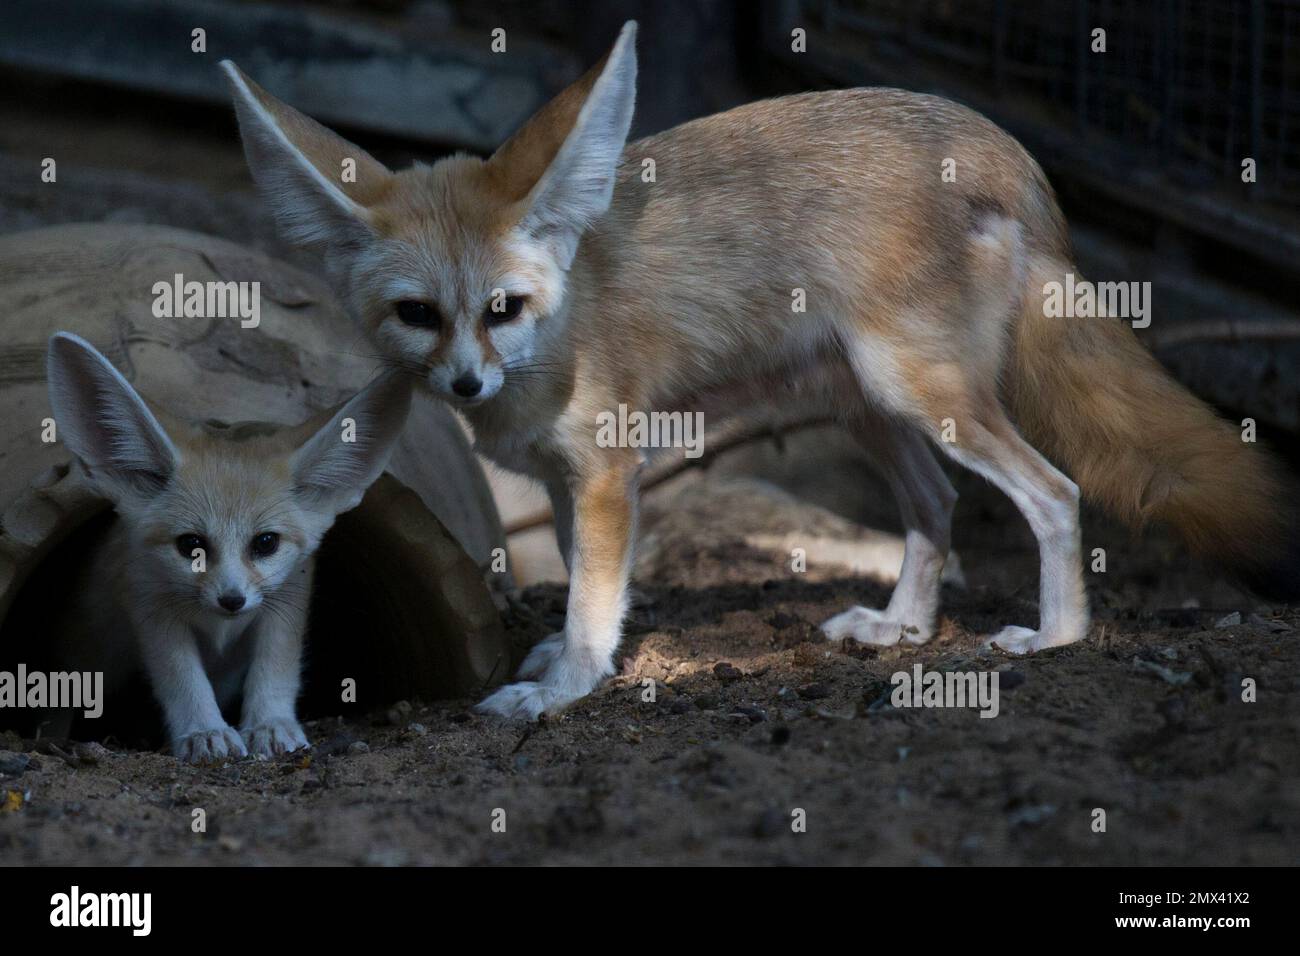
(936, 361)
(970, 426)
(961, 412)
(925, 501)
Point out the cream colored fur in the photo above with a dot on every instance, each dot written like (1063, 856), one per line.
(209, 617)
(665, 292)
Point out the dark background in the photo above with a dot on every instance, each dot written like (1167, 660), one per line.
(1144, 142)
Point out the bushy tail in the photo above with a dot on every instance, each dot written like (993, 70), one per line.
(1089, 395)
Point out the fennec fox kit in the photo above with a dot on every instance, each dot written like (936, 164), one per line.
(803, 249)
(205, 575)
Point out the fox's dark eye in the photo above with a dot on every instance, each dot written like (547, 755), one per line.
(187, 544)
(503, 310)
(420, 314)
(265, 544)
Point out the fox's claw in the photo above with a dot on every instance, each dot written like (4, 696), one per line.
(210, 746)
(275, 737)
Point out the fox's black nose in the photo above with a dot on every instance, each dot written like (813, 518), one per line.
(467, 386)
(232, 602)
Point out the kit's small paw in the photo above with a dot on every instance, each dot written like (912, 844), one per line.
(274, 737)
(210, 746)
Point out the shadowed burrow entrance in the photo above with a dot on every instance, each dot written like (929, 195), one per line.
(398, 611)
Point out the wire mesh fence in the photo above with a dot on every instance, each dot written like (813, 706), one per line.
(1193, 87)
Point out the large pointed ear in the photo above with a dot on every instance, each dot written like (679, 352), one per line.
(105, 423)
(335, 466)
(319, 185)
(561, 164)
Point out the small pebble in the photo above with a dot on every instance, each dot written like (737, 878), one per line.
(814, 691)
(398, 713)
(1031, 815)
(90, 752)
(339, 743)
(13, 765)
(726, 672)
(754, 715)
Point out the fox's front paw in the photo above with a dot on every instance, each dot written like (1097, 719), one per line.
(1022, 640)
(209, 746)
(528, 700)
(562, 678)
(542, 656)
(274, 737)
(868, 626)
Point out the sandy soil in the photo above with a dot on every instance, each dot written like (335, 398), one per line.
(756, 717)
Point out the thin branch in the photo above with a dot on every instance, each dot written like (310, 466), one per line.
(1223, 330)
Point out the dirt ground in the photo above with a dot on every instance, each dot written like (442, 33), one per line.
(757, 717)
